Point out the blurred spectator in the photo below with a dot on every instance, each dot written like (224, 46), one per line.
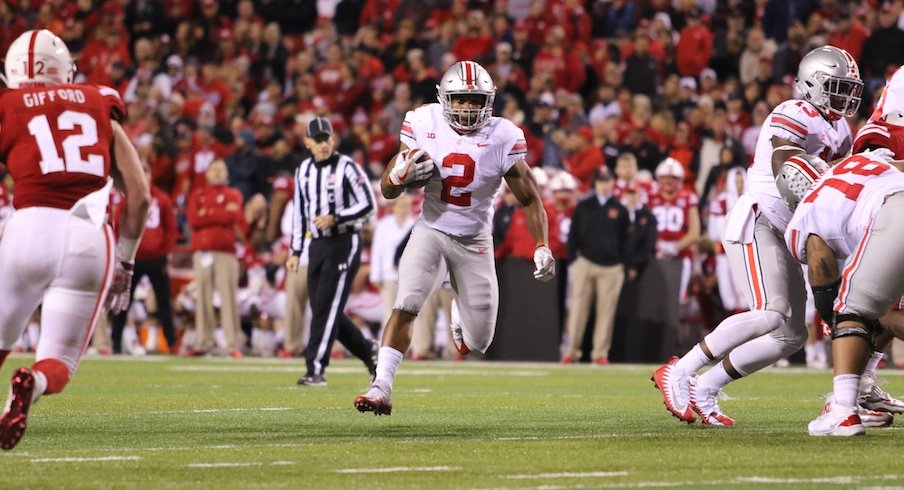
(646, 152)
(245, 163)
(585, 158)
(596, 246)
(389, 233)
(216, 216)
(695, 45)
(731, 189)
(640, 248)
(849, 33)
(884, 48)
(626, 178)
(151, 260)
(757, 46)
(556, 60)
(641, 68)
(779, 15)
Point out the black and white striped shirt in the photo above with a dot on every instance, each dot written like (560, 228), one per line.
(336, 186)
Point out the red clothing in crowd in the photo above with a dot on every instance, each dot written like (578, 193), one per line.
(852, 40)
(694, 50)
(213, 214)
(470, 48)
(96, 60)
(518, 240)
(201, 158)
(583, 163)
(673, 215)
(160, 230)
(566, 68)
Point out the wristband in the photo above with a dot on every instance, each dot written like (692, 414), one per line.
(126, 248)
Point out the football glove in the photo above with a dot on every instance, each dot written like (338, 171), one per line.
(545, 264)
(118, 295)
(408, 169)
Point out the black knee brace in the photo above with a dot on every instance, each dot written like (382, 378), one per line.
(824, 298)
(867, 330)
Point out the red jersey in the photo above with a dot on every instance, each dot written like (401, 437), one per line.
(160, 230)
(56, 141)
(672, 214)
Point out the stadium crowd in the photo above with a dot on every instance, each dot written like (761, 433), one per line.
(614, 84)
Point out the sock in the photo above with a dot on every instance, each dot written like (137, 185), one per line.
(40, 385)
(714, 379)
(846, 387)
(56, 373)
(3, 355)
(873, 363)
(388, 361)
(693, 360)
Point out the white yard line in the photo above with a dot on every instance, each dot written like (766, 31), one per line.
(237, 465)
(397, 469)
(99, 459)
(223, 410)
(544, 476)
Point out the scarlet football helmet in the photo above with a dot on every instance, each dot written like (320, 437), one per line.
(38, 57)
(466, 78)
(670, 168)
(829, 78)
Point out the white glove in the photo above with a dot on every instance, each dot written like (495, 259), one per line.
(667, 250)
(118, 295)
(408, 169)
(545, 264)
(881, 154)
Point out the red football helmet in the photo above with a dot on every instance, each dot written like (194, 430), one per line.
(887, 132)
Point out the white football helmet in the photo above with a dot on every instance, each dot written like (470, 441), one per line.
(828, 77)
(563, 181)
(670, 168)
(796, 176)
(38, 57)
(466, 78)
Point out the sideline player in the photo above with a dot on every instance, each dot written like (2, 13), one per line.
(473, 151)
(852, 214)
(753, 239)
(62, 143)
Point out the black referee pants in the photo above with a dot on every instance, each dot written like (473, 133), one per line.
(334, 261)
(156, 271)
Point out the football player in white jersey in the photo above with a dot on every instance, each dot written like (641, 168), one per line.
(472, 152)
(852, 214)
(829, 80)
(892, 99)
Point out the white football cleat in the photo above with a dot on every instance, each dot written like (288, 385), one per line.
(874, 418)
(674, 384)
(703, 401)
(375, 400)
(875, 398)
(835, 420)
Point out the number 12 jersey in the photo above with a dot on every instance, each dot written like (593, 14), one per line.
(56, 141)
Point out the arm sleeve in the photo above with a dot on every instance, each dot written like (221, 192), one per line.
(299, 220)
(356, 185)
(515, 149)
(406, 135)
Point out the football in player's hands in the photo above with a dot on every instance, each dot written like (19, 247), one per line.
(412, 168)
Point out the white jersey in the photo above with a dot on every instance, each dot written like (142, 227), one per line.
(800, 123)
(892, 99)
(458, 198)
(841, 204)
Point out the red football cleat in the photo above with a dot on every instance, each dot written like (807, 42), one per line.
(14, 421)
(675, 387)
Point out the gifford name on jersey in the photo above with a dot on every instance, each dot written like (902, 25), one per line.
(36, 99)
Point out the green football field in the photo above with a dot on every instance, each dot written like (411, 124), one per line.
(221, 424)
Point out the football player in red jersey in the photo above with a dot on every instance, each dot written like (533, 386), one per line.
(62, 143)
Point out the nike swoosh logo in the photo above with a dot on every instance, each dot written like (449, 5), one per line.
(481, 145)
(483, 250)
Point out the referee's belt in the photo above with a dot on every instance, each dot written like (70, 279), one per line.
(334, 236)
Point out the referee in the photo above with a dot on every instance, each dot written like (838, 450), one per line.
(332, 200)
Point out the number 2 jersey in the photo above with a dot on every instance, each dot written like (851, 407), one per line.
(56, 141)
(459, 196)
(841, 204)
(800, 123)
